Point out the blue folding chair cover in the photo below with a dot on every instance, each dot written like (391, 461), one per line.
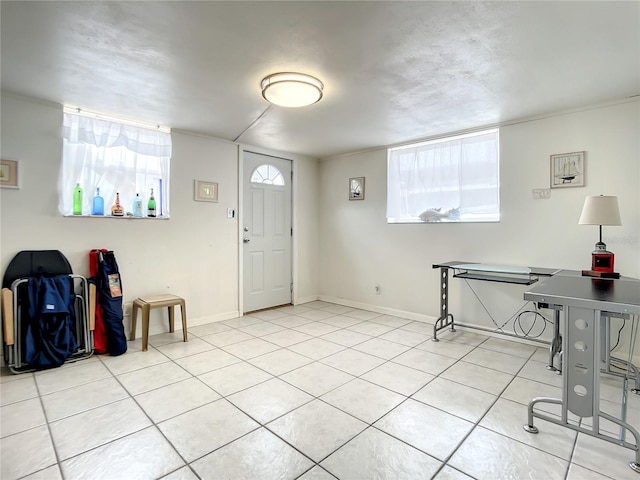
(49, 338)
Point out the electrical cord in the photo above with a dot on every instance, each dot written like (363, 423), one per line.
(624, 321)
(527, 334)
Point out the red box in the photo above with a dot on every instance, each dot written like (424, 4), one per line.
(602, 262)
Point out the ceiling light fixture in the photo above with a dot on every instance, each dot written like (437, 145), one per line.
(289, 89)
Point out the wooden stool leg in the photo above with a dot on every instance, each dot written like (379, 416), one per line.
(145, 327)
(171, 319)
(184, 321)
(134, 318)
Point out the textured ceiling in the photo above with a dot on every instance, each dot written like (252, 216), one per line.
(393, 71)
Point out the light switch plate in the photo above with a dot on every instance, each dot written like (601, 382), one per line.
(541, 193)
(231, 213)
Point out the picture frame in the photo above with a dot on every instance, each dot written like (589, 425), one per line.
(567, 170)
(205, 191)
(9, 174)
(356, 188)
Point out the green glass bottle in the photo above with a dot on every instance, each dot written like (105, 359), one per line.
(151, 206)
(77, 200)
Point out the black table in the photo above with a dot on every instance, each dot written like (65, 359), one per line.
(587, 305)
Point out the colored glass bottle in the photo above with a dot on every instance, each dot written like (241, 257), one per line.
(137, 206)
(97, 207)
(77, 200)
(151, 206)
(116, 209)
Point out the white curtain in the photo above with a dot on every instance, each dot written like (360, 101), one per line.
(116, 158)
(460, 173)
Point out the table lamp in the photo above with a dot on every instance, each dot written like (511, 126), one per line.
(601, 210)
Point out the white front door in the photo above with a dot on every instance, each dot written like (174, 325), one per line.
(266, 232)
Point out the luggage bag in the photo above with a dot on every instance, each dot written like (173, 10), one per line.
(109, 334)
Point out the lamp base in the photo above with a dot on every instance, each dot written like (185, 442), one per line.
(600, 247)
(592, 273)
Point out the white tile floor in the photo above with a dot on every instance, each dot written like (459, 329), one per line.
(310, 392)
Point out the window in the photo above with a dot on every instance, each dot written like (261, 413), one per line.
(455, 179)
(116, 157)
(267, 174)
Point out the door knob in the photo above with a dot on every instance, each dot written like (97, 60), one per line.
(246, 240)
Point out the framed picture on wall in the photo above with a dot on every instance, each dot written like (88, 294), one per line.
(9, 174)
(356, 188)
(205, 191)
(567, 170)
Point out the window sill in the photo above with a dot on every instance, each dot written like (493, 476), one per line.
(125, 217)
(391, 221)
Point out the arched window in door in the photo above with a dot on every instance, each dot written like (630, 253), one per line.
(267, 174)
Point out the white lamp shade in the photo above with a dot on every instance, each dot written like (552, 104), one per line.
(291, 89)
(600, 210)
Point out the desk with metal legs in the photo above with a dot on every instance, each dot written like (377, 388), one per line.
(520, 276)
(486, 273)
(585, 304)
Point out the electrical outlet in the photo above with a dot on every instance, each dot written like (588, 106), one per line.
(378, 289)
(126, 310)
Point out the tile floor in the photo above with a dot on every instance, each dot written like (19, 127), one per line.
(310, 392)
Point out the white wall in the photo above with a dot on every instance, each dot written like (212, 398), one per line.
(306, 210)
(359, 249)
(341, 248)
(194, 254)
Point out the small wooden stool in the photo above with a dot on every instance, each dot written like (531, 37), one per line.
(157, 301)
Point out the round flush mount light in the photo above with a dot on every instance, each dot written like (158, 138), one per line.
(290, 89)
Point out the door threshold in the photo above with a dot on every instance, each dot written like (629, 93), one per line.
(268, 308)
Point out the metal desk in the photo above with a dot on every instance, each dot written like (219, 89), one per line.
(585, 303)
(487, 273)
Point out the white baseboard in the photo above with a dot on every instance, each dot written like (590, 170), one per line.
(375, 308)
(423, 318)
(157, 327)
(308, 299)
(218, 317)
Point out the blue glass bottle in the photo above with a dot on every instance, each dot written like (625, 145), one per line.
(98, 204)
(137, 206)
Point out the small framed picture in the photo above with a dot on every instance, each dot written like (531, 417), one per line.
(205, 191)
(356, 188)
(9, 174)
(567, 170)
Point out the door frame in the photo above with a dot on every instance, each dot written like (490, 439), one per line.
(294, 239)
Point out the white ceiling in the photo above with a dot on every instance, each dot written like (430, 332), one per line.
(393, 71)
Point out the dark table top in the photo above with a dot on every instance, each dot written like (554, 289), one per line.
(568, 288)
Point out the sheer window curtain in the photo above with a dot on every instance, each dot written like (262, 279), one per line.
(115, 157)
(461, 173)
